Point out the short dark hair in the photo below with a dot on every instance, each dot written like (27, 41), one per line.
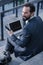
(32, 7)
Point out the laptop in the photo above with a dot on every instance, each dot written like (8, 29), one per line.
(16, 26)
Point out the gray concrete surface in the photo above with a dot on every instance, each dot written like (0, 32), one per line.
(35, 60)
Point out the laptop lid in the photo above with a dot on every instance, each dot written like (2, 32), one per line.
(15, 26)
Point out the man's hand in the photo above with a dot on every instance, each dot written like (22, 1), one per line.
(10, 32)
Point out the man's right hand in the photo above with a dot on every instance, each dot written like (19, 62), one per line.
(10, 32)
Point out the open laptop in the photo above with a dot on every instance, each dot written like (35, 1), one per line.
(16, 27)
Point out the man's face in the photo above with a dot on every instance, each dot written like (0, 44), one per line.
(26, 13)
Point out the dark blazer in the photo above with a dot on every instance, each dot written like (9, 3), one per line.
(32, 38)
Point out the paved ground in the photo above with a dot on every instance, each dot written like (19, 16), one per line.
(36, 60)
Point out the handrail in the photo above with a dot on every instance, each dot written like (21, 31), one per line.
(3, 2)
(18, 6)
(12, 8)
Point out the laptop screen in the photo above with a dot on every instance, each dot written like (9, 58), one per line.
(15, 25)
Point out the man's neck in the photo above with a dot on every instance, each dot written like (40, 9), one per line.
(31, 17)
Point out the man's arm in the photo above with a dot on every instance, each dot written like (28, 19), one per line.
(25, 38)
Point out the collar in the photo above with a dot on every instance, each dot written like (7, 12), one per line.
(29, 19)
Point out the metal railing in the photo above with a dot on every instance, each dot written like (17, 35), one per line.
(2, 15)
(38, 4)
(3, 2)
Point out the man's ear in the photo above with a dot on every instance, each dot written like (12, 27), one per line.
(32, 14)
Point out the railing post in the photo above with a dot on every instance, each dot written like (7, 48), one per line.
(2, 32)
(16, 8)
(13, 6)
(37, 9)
(42, 4)
(27, 0)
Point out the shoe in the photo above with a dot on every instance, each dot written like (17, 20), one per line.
(6, 59)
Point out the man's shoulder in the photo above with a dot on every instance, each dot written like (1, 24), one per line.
(35, 19)
(38, 18)
(32, 22)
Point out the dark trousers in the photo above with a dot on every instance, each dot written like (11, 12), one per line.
(9, 46)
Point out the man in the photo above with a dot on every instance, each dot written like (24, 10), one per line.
(31, 41)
